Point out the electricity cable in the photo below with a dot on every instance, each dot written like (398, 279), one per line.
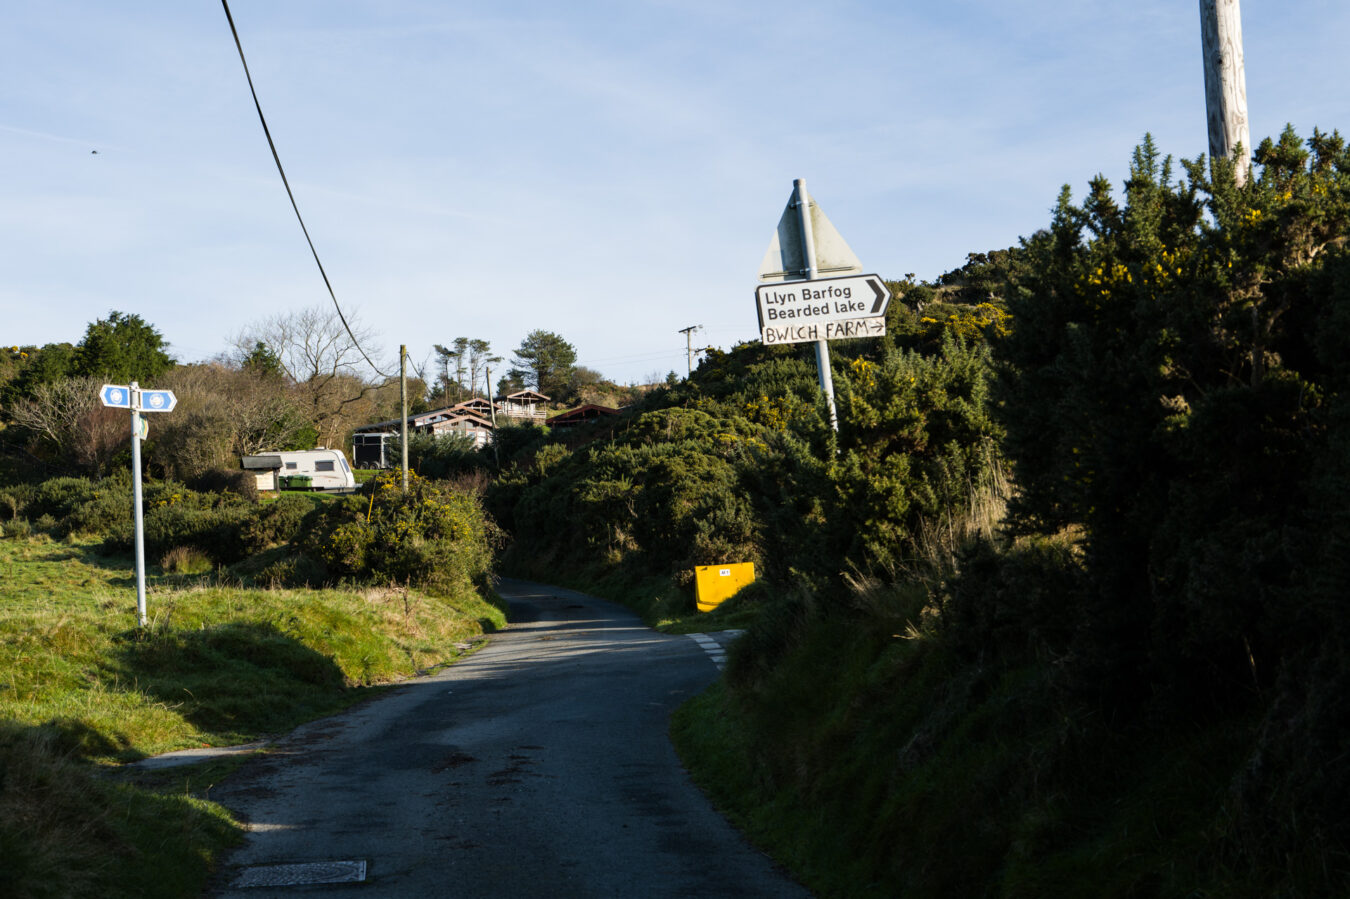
(640, 357)
(272, 145)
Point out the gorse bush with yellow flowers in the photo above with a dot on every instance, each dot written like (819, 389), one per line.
(663, 497)
(174, 515)
(739, 464)
(917, 446)
(1076, 556)
(1174, 390)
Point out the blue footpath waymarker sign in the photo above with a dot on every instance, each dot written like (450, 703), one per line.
(116, 395)
(119, 396)
(158, 400)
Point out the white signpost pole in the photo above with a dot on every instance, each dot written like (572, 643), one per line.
(812, 273)
(132, 397)
(135, 393)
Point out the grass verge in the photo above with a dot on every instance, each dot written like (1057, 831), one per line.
(68, 831)
(872, 762)
(81, 687)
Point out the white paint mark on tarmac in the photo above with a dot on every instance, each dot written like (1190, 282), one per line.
(715, 644)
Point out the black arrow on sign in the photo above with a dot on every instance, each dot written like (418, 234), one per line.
(882, 293)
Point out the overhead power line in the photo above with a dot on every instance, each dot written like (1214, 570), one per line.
(281, 171)
(638, 357)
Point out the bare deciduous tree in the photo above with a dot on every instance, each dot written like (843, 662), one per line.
(72, 429)
(322, 361)
(223, 413)
(480, 359)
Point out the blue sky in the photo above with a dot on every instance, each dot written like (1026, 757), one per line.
(610, 171)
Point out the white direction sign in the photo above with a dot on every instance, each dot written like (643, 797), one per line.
(829, 308)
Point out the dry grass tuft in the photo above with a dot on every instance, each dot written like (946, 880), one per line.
(185, 560)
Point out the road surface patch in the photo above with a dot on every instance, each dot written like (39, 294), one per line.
(204, 754)
(304, 874)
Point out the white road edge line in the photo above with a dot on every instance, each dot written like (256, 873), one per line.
(716, 653)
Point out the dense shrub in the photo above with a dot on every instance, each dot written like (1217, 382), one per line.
(435, 537)
(276, 522)
(917, 439)
(739, 464)
(227, 480)
(174, 516)
(215, 524)
(664, 497)
(1164, 393)
(515, 442)
(14, 500)
(441, 457)
(1022, 601)
(213, 531)
(81, 505)
(1175, 390)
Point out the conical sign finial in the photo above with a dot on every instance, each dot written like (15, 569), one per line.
(785, 259)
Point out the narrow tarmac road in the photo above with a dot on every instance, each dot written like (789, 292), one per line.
(539, 766)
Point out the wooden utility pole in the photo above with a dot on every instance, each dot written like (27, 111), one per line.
(492, 411)
(689, 344)
(1225, 84)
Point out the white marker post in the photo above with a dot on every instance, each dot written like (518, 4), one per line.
(138, 400)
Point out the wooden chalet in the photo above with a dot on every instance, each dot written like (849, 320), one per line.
(524, 407)
(480, 406)
(471, 418)
(581, 415)
(467, 424)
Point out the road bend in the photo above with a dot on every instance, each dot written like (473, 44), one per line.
(539, 766)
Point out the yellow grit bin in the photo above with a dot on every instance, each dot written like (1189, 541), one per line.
(715, 583)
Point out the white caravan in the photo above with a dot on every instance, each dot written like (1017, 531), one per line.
(316, 469)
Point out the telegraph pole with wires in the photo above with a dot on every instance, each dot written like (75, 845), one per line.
(1226, 84)
(689, 343)
(492, 411)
